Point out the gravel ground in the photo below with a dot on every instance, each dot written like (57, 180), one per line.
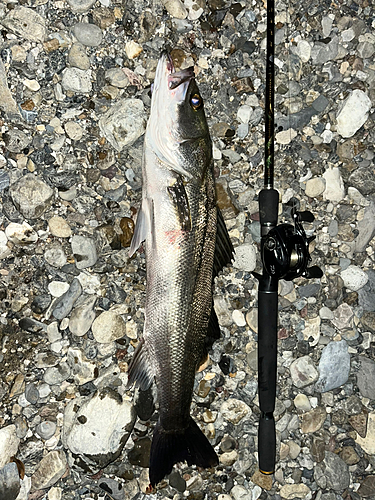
(75, 81)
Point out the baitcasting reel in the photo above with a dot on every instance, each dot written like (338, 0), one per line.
(285, 250)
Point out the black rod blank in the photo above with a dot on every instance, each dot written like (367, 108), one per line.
(270, 99)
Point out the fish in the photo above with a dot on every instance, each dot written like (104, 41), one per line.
(186, 245)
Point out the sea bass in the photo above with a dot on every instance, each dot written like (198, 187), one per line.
(186, 245)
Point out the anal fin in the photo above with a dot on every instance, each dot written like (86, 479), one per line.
(224, 250)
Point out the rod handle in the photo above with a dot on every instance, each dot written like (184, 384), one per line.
(267, 444)
(268, 207)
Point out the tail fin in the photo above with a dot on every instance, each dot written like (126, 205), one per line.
(169, 448)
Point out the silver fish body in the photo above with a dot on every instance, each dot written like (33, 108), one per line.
(179, 223)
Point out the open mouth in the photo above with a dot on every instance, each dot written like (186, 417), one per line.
(176, 78)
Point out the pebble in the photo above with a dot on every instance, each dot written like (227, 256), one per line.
(353, 114)
(26, 23)
(366, 293)
(334, 189)
(88, 34)
(59, 227)
(315, 187)
(365, 377)
(98, 439)
(290, 491)
(366, 229)
(20, 234)
(332, 473)
(334, 366)
(354, 278)
(234, 410)
(133, 49)
(123, 123)
(108, 326)
(76, 80)
(245, 257)
(58, 288)
(9, 443)
(9, 482)
(55, 375)
(46, 429)
(31, 196)
(84, 251)
(50, 469)
(83, 316)
(313, 420)
(303, 372)
(302, 403)
(78, 58)
(55, 256)
(64, 305)
(74, 131)
(81, 5)
(238, 318)
(117, 78)
(175, 8)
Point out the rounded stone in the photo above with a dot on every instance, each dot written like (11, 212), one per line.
(315, 187)
(108, 327)
(88, 34)
(74, 131)
(59, 227)
(354, 278)
(46, 429)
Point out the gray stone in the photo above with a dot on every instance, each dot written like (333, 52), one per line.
(16, 140)
(366, 295)
(7, 103)
(334, 366)
(81, 5)
(26, 23)
(84, 251)
(343, 316)
(50, 469)
(303, 372)
(83, 315)
(83, 370)
(366, 228)
(363, 179)
(46, 429)
(31, 393)
(55, 375)
(99, 440)
(322, 53)
(9, 482)
(65, 303)
(309, 290)
(366, 377)
(117, 78)
(31, 196)
(320, 103)
(332, 473)
(78, 58)
(123, 123)
(55, 256)
(88, 34)
(234, 410)
(76, 80)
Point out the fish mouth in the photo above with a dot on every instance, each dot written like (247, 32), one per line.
(177, 78)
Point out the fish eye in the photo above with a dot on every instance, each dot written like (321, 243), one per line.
(196, 102)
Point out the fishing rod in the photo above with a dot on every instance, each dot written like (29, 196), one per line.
(285, 255)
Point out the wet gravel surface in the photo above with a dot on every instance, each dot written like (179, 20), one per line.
(75, 81)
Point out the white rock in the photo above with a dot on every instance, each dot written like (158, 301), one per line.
(20, 234)
(97, 438)
(234, 410)
(74, 131)
(57, 288)
(33, 85)
(244, 113)
(4, 249)
(55, 256)
(59, 227)
(354, 278)
(76, 80)
(315, 187)
(303, 50)
(222, 310)
(9, 443)
(245, 257)
(238, 317)
(133, 49)
(50, 469)
(334, 190)
(302, 403)
(353, 114)
(82, 317)
(107, 327)
(176, 8)
(286, 136)
(303, 372)
(290, 491)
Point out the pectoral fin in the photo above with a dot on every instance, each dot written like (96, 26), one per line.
(142, 226)
(180, 200)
